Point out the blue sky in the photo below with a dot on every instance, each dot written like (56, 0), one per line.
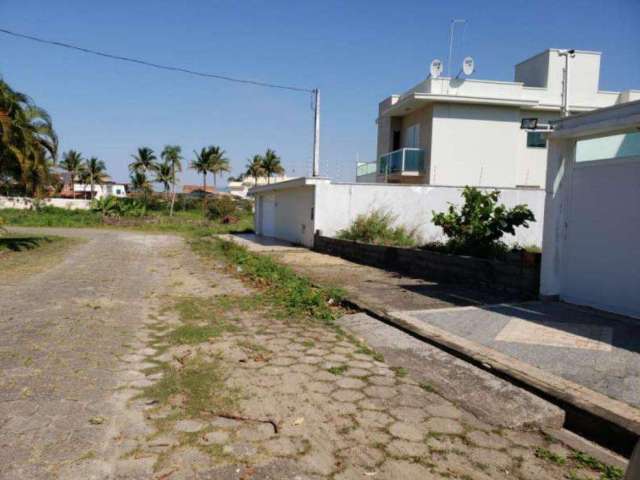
(356, 51)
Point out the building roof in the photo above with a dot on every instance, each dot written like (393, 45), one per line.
(197, 188)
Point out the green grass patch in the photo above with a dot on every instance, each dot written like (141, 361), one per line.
(184, 222)
(607, 472)
(427, 387)
(201, 382)
(193, 334)
(400, 371)
(287, 293)
(362, 348)
(339, 370)
(548, 455)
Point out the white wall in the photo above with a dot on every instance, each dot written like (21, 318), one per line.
(291, 217)
(475, 145)
(337, 206)
(23, 203)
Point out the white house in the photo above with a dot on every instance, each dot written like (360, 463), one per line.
(240, 188)
(106, 189)
(463, 131)
(591, 246)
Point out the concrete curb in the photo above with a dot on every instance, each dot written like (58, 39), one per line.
(624, 418)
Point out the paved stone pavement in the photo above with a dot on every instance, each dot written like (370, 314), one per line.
(596, 350)
(84, 342)
(599, 351)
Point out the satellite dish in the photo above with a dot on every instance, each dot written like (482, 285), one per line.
(468, 66)
(436, 68)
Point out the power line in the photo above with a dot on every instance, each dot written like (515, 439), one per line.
(154, 65)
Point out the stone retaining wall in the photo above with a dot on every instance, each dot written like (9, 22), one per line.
(519, 274)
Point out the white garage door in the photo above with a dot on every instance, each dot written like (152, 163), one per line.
(603, 233)
(268, 215)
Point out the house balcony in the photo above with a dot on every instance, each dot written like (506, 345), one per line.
(399, 165)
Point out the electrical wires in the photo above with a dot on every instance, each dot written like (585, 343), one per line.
(154, 65)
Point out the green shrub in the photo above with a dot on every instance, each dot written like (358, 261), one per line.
(377, 227)
(227, 206)
(476, 229)
(118, 207)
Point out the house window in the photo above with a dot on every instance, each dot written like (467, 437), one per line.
(536, 140)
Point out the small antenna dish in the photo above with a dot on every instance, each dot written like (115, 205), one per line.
(436, 68)
(468, 66)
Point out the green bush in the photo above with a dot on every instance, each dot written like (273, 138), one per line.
(377, 227)
(227, 206)
(476, 229)
(118, 207)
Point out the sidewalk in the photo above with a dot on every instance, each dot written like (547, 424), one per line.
(581, 356)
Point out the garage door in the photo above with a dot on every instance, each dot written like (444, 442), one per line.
(268, 215)
(602, 249)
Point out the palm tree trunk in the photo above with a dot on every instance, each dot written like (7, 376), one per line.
(173, 189)
(73, 185)
(204, 199)
(91, 193)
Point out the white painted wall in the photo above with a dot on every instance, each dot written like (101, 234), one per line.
(475, 145)
(101, 191)
(286, 214)
(337, 206)
(23, 203)
(591, 247)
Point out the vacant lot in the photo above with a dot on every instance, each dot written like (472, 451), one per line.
(133, 357)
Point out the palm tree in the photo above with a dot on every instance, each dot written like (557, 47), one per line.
(254, 168)
(172, 154)
(96, 172)
(144, 161)
(219, 163)
(202, 165)
(28, 142)
(140, 183)
(164, 177)
(271, 164)
(72, 162)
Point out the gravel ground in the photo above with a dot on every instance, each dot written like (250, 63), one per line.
(82, 340)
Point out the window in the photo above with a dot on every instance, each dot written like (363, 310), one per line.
(608, 147)
(536, 140)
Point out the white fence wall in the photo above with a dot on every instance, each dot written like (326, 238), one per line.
(337, 206)
(23, 203)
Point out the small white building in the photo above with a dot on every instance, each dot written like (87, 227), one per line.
(463, 131)
(240, 188)
(591, 245)
(106, 189)
(294, 210)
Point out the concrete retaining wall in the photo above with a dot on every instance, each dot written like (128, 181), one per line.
(24, 203)
(519, 274)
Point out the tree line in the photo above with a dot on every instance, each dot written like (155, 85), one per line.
(29, 152)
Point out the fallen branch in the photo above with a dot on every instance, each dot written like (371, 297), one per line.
(247, 419)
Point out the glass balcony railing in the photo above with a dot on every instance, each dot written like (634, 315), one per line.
(366, 169)
(401, 161)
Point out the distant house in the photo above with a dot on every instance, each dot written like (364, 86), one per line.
(240, 188)
(197, 191)
(465, 131)
(108, 188)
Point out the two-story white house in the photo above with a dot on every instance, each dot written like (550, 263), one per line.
(463, 131)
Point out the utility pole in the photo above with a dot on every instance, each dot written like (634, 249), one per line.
(452, 28)
(316, 133)
(565, 80)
